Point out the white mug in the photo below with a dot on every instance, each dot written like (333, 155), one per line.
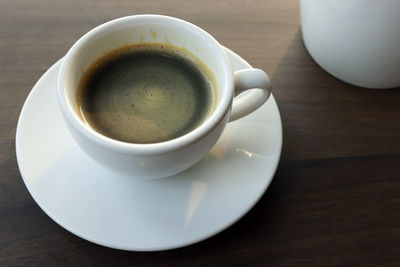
(163, 159)
(357, 41)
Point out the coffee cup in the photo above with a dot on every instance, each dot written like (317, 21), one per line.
(167, 157)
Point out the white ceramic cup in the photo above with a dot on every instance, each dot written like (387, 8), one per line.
(357, 41)
(157, 160)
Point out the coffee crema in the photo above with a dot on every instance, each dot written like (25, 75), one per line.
(146, 93)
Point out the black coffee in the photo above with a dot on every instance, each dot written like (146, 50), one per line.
(146, 93)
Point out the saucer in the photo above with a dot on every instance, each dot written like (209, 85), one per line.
(117, 211)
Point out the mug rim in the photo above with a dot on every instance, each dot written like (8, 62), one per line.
(223, 104)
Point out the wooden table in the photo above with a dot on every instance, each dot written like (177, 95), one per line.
(335, 199)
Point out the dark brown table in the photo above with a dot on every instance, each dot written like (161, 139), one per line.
(335, 199)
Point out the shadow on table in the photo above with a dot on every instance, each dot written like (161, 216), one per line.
(324, 117)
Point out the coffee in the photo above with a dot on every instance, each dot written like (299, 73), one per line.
(146, 93)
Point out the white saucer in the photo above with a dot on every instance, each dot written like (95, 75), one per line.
(119, 212)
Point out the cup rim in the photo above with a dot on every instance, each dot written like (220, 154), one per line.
(70, 114)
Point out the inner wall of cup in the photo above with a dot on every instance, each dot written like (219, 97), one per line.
(99, 41)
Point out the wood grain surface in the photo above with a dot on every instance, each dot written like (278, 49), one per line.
(335, 199)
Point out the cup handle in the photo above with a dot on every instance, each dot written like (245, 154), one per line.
(249, 79)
